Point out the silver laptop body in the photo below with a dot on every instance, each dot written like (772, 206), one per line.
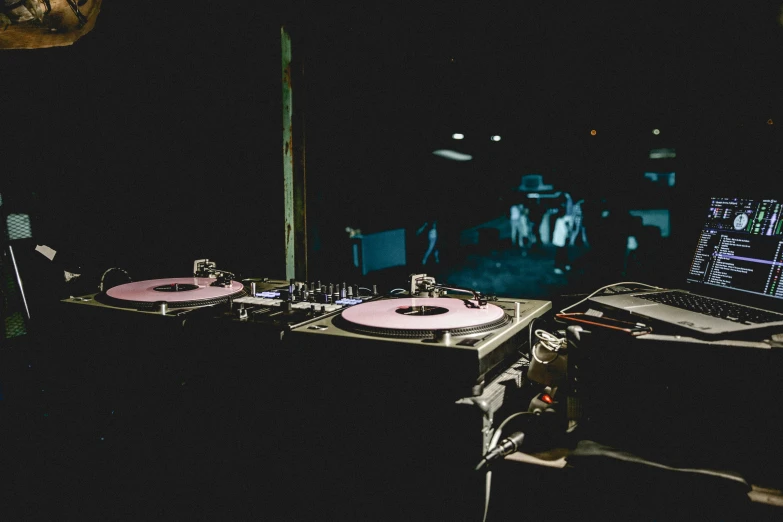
(737, 266)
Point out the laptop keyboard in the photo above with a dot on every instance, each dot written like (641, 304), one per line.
(713, 307)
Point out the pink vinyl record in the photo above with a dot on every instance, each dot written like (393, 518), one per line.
(173, 290)
(429, 313)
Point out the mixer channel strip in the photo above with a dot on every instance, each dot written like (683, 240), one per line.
(271, 302)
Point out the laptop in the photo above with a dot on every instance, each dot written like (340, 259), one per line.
(734, 283)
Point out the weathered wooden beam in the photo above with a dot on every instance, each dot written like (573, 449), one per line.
(294, 177)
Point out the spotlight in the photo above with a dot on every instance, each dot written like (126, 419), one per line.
(656, 131)
(458, 136)
(495, 138)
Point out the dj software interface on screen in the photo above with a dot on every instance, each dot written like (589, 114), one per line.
(741, 246)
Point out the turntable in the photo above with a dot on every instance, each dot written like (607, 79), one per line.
(169, 296)
(469, 338)
(409, 386)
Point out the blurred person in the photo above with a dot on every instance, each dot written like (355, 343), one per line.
(544, 228)
(579, 231)
(514, 214)
(649, 254)
(561, 234)
(534, 216)
(520, 225)
(525, 238)
(610, 226)
(432, 239)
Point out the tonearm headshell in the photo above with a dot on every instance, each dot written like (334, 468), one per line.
(422, 285)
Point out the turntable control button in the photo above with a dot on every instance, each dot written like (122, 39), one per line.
(319, 327)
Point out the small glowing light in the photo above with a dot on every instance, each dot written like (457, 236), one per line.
(458, 136)
(593, 132)
(495, 138)
(770, 122)
(656, 131)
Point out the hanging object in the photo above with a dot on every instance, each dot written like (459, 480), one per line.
(35, 24)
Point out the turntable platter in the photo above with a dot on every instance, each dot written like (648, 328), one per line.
(177, 292)
(421, 317)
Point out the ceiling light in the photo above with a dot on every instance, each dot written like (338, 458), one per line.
(452, 155)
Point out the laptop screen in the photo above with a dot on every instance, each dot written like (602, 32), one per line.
(741, 247)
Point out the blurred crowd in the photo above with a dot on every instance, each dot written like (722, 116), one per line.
(599, 237)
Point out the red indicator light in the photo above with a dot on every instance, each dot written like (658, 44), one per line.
(546, 398)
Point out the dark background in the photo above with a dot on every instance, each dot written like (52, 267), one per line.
(156, 139)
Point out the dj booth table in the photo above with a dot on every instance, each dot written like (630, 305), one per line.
(276, 409)
(662, 427)
(293, 402)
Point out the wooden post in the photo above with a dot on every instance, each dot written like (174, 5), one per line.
(294, 179)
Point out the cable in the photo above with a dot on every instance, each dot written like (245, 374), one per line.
(550, 341)
(100, 287)
(604, 288)
(492, 443)
(530, 336)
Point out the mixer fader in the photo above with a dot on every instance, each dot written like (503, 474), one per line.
(293, 303)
